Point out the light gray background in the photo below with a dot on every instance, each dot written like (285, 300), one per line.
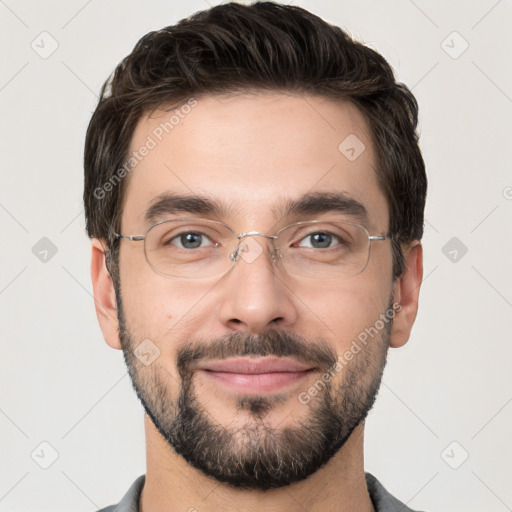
(61, 384)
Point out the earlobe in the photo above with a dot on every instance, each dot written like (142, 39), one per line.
(406, 293)
(104, 295)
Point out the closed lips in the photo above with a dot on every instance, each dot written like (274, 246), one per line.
(255, 366)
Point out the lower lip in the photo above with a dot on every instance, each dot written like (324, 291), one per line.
(256, 383)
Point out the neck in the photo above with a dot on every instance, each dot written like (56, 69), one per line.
(172, 484)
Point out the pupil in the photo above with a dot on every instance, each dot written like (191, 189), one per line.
(191, 240)
(321, 240)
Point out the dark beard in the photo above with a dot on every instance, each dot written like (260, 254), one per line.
(258, 456)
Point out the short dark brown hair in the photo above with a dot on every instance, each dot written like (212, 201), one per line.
(264, 46)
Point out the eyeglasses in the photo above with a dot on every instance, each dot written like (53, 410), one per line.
(197, 249)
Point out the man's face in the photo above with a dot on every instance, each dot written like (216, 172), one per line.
(254, 154)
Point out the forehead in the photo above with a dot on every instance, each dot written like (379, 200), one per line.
(253, 154)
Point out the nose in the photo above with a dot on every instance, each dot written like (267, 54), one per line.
(255, 296)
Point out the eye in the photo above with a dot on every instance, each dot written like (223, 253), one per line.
(189, 240)
(323, 240)
(320, 240)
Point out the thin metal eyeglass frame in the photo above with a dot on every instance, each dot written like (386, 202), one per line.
(234, 255)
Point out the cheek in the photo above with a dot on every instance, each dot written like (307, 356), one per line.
(343, 312)
(160, 308)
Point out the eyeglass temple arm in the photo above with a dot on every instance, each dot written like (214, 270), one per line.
(133, 238)
(378, 238)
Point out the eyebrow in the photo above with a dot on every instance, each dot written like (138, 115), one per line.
(169, 203)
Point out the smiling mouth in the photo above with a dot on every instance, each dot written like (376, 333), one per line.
(256, 375)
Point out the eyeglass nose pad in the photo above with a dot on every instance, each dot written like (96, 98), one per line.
(249, 249)
(234, 255)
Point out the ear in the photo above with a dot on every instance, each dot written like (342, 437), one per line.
(406, 292)
(104, 295)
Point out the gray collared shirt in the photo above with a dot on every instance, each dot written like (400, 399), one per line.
(381, 499)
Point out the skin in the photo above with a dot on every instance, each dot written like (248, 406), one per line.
(254, 152)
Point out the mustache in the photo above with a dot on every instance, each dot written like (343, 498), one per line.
(238, 344)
